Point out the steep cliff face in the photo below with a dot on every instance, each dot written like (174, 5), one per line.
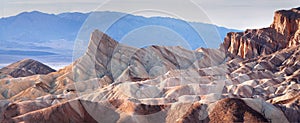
(283, 32)
(286, 22)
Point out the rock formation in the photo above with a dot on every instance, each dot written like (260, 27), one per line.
(254, 78)
(283, 32)
(23, 68)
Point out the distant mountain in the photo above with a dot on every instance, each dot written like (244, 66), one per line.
(23, 68)
(37, 31)
(39, 27)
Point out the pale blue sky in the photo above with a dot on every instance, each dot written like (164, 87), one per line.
(238, 14)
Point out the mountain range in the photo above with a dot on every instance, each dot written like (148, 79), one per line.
(253, 77)
(51, 38)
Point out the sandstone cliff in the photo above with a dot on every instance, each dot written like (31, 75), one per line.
(284, 32)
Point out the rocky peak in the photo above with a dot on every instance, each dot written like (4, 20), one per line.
(106, 57)
(287, 22)
(26, 67)
(100, 41)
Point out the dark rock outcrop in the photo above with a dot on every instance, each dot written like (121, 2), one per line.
(23, 68)
(235, 110)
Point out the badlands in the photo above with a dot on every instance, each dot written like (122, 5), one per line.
(253, 77)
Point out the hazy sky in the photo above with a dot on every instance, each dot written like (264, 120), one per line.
(238, 14)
